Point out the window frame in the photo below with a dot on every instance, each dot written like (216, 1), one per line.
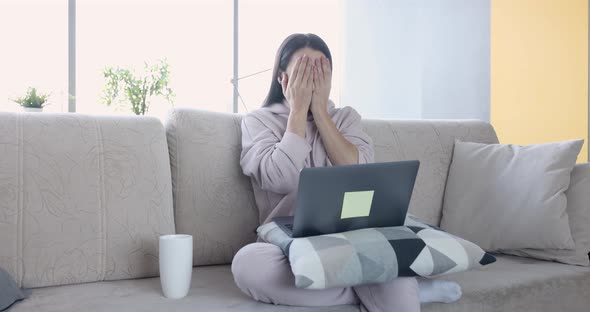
(72, 56)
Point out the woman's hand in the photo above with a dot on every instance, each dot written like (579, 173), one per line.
(322, 80)
(297, 86)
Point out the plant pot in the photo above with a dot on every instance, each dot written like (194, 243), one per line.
(33, 109)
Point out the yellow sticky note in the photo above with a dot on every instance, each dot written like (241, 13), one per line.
(356, 204)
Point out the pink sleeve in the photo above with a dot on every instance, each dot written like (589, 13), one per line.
(352, 129)
(272, 162)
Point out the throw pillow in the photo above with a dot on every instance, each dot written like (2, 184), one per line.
(9, 292)
(510, 197)
(578, 210)
(374, 255)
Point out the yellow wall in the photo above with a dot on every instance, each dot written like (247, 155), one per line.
(539, 71)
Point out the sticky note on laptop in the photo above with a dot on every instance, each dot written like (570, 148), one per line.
(356, 204)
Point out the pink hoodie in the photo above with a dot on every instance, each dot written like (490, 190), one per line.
(273, 157)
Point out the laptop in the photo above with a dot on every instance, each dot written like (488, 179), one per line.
(345, 198)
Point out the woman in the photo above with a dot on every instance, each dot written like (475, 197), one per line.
(298, 126)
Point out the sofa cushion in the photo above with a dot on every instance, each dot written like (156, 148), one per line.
(521, 285)
(431, 142)
(213, 200)
(9, 292)
(511, 284)
(212, 289)
(578, 210)
(215, 203)
(82, 198)
(504, 196)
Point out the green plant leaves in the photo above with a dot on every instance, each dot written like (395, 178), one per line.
(32, 99)
(136, 89)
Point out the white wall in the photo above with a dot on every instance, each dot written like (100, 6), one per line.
(411, 59)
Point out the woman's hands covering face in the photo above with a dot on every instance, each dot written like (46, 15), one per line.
(308, 85)
(297, 85)
(322, 81)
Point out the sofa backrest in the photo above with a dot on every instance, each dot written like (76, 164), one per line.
(214, 201)
(432, 142)
(82, 198)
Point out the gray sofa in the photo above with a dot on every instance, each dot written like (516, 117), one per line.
(83, 200)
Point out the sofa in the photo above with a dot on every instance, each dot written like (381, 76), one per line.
(83, 200)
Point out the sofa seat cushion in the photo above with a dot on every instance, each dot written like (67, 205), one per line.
(511, 284)
(521, 284)
(212, 289)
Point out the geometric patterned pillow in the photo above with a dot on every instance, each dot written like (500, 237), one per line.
(375, 255)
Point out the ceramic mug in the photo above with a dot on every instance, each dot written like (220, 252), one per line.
(176, 264)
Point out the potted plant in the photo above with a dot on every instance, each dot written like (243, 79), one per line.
(32, 101)
(136, 89)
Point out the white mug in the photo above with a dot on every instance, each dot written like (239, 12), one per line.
(176, 264)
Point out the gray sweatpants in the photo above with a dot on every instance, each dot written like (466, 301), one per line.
(262, 271)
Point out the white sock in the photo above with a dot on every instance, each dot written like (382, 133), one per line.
(437, 290)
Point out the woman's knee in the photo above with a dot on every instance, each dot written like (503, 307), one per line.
(257, 266)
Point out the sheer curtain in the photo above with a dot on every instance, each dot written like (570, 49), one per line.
(34, 51)
(195, 37)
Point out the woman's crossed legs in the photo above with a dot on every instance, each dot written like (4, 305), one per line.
(262, 271)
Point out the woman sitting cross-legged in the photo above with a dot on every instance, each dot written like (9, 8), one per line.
(298, 127)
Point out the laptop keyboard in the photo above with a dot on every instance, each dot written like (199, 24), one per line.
(289, 226)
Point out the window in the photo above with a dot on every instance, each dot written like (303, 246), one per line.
(195, 37)
(34, 51)
(264, 24)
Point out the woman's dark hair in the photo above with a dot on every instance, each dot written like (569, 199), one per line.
(293, 43)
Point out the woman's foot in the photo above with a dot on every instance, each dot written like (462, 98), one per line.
(437, 290)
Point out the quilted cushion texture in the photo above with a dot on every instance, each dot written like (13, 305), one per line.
(84, 198)
(213, 200)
